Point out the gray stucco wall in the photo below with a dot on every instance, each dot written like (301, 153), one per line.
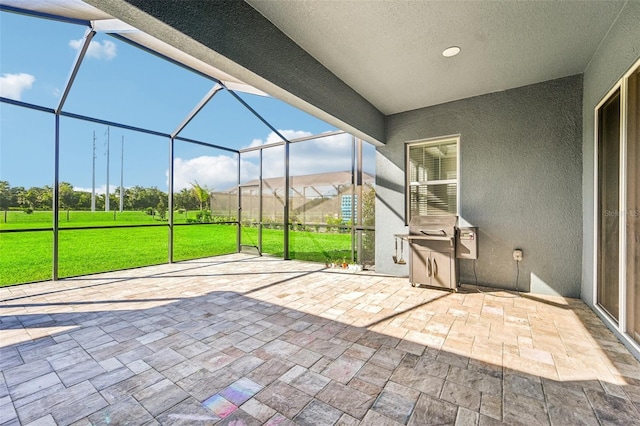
(520, 183)
(617, 53)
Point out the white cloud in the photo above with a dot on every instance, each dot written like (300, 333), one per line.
(273, 138)
(12, 85)
(105, 50)
(219, 173)
(99, 189)
(216, 172)
(327, 154)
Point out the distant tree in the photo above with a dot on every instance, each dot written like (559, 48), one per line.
(368, 219)
(45, 198)
(31, 197)
(369, 208)
(19, 196)
(161, 208)
(114, 201)
(185, 199)
(117, 193)
(83, 200)
(5, 195)
(201, 193)
(140, 198)
(66, 196)
(135, 198)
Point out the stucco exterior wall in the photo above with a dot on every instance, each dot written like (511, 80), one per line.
(520, 182)
(616, 54)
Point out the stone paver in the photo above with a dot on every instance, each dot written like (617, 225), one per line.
(346, 399)
(394, 406)
(317, 413)
(283, 398)
(244, 340)
(430, 411)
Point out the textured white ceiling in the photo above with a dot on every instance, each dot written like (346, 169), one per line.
(390, 51)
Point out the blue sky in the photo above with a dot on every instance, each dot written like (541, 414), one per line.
(120, 83)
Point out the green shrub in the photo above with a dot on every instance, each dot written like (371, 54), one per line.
(203, 216)
(222, 219)
(162, 209)
(335, 223)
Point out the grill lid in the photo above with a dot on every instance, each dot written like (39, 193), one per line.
(435, 226)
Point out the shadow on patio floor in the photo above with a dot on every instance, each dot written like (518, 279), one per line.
(244, 340)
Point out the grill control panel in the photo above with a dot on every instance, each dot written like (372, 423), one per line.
(467, 243)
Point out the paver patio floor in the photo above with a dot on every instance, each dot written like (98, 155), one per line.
(243, 340)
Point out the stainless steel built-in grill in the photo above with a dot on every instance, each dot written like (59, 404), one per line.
(432, 241)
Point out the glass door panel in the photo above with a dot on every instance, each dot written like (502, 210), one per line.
(608, 205)
(250, 235)
(633, 206)
(322, 205)
(273, 198)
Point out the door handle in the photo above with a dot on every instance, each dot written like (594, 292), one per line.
(429, 268)
(435, 268)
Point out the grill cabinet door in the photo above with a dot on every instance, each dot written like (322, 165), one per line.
(418, 273)
(441, 269)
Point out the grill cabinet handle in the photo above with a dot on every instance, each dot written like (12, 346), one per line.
(429, 267)
(435, 268)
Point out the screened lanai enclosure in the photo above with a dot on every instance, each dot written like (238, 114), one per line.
(119, 151)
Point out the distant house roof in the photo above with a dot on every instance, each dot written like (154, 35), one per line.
(315, 180)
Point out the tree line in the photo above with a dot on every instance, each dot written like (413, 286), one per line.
(135, 198)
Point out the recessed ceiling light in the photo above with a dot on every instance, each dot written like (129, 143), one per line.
(450, 51)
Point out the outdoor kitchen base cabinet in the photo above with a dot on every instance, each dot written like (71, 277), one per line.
(432, 241)
(438, 270)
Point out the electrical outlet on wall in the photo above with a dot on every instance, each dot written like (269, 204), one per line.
(517, 255)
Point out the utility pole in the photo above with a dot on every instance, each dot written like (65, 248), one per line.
(93, 176)
(106, 195)
(122, 175)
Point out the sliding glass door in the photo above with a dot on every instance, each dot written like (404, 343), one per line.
(618, 205)
(633, 206)
(608, 204)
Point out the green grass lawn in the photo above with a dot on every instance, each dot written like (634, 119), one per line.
(44, 219)
(27, 256)
(303, 245)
